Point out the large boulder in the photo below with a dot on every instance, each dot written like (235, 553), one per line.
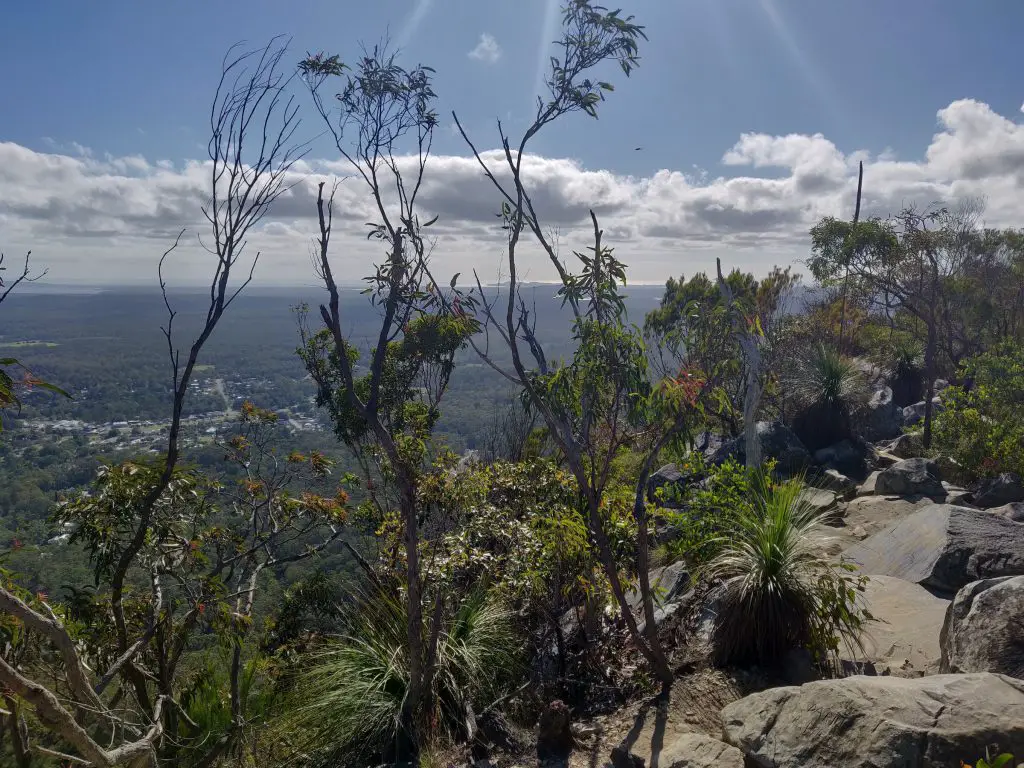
(879, 722)
(832, 480)
(906, 446)
(883, 419)
(914, 414)
(867, 488)
(984, 628)
(944, 547)
(846, 457)
(903, 637)
(695, 750)
(911, 477)
(777, 441)
(670, 586)
(998, 491)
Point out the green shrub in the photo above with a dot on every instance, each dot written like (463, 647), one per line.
(708, 510)
(983, 427)
(346, 701)
(779, 592)
(991, 762)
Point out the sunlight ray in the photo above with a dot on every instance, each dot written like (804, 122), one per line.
(419, 12)
(547, 36)
(808, 70)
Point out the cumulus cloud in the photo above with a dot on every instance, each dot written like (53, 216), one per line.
(107, 219)
(487, 50)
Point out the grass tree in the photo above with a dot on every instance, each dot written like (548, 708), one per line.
(603, 399)
(387, 410)
(827, 389)
(779, 591)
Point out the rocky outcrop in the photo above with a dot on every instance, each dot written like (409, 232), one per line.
(883, 418)
(911, 477)
(835, 481)
(695, 750)
(1014, 511)
(670, 585)
(846, 457)
(822, 502)
(903, 638)
(997, 491)
(944, 547)
(982, 631)
(867, 488)
(906, 446)
(870, 722)
(914, 414)
(777, 441)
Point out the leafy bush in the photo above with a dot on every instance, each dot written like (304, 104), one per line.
(779, 592)
(708, 510)
(983, 427)
(828, 388)
(991, 762)
(346, 701)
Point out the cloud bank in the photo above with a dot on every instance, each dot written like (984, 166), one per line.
(107, 219)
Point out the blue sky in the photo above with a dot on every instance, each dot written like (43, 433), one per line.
(119, 78)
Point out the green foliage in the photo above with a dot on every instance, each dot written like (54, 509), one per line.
(708, 510)
(9, 387)
(983, 427)
(988, 761)
(520, 529)
(691, 328)
(205, 699)
(347, 698)
(593, 35)
(415, 372)
(779, 591)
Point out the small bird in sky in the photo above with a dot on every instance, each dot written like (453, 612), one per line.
(637, 149)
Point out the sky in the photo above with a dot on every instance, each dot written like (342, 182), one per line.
(741, 128)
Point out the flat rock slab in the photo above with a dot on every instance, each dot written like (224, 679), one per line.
(867, 515)
(904, 637)
(879, 722)
(695, 750)
(944, 547)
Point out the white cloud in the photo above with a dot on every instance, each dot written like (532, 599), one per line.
(487, 50)
(108, 220)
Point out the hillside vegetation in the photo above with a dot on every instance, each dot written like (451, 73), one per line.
(771, 519)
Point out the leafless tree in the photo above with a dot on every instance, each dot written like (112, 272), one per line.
(251, 149)
(24, 276)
